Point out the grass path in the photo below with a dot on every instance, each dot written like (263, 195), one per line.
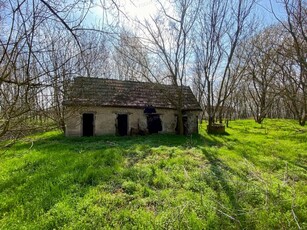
(253, 178)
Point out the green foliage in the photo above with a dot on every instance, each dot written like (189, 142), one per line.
(253, 178)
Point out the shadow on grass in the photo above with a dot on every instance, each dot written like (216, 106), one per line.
(42, 171)
(220, 183)
(51, 170)
(219, 177)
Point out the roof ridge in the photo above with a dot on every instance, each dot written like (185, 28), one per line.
(132, 81)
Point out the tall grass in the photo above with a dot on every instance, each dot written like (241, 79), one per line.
(253, 178)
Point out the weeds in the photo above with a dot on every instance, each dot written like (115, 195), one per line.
(253, 178)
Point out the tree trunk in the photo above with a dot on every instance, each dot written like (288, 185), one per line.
(220, 119)
(302, 120)
(180, 123)
(209, 109)
(259, 119)
(62, 125)
(210, 123)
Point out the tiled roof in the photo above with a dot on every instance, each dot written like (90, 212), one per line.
(109, 92)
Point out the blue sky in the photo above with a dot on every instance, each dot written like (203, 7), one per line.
(264, 10)
(143, 8)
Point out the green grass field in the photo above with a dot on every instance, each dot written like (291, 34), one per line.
(253, 178)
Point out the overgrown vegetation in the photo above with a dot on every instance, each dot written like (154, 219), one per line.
(253, 178)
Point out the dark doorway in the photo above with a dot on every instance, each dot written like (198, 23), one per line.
(88, 124)
(122, 124)
(154, 124)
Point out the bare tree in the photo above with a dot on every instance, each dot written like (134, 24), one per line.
(22, 51)
(291, 85)
(131, 58)
(221, 26)
(16, 76)
(95, 56)
(167, 38)
(295, 48)
(261, 71)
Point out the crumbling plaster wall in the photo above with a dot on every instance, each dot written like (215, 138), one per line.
(105, 119)
(192, 121)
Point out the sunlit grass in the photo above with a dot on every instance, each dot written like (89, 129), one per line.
(253, 178)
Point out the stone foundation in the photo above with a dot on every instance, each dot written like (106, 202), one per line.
(216, 129)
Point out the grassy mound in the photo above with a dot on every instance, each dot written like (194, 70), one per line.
(253, 178)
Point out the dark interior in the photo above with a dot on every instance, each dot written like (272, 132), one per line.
(122, 124)
(149, 109)
(154, 124)
(88, 124)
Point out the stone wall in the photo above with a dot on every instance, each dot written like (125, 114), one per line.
(105, 120)
(192, 122)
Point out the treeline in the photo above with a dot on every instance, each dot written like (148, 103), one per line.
(236, 67)
(274, 80)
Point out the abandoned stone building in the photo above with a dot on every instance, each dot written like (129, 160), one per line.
(96, 106)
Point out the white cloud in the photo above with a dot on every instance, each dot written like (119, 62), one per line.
(129, 9)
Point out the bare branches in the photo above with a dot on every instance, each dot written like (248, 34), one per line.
(61, 20)
(223, 24)
(295, 26)
(27, 75)
(167, 39)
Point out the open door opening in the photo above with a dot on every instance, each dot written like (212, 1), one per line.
(88, 124)
(122, 124)
(154, 124)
